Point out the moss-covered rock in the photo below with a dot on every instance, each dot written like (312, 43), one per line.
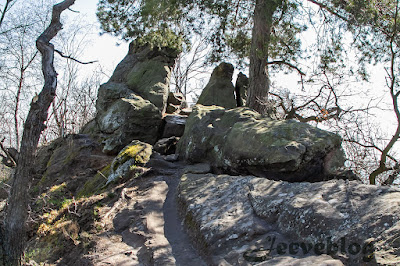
(150, 79)
(241, 141)
(53, 240)
(219, 90)
(75, 155)
(134, 155)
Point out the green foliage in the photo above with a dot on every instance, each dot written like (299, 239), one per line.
(161, 38)
(372, 23)
(143, 19)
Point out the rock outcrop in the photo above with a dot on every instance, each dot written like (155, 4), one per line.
(242, 219)
(76, 155)
(219, 90)
(166, 146)
(241, 86)
(174, 126)
(176, 104)
(240, 141)
(131, 104)
(147, 72)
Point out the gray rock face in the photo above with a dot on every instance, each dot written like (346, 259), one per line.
(357, 218)
(219, 90)
(176, 103)
(246, 219)
(128, 119)
(131, 104)
(166, 146)
(240, 141)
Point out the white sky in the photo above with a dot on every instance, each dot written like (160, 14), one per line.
(104, 48)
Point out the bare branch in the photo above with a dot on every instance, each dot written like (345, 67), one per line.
(5, 9)
(330, 10)
(73, 59)
(281, 62)
(392, 79)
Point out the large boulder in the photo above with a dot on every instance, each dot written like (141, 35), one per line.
(128, 119)
(240, 141)
(238, 220)
(362, 220)
(219, 90)
(130, 105)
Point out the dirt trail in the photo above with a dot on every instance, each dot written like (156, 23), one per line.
(147, 229)
(182, 249)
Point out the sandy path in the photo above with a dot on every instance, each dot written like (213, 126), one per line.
(146, 227)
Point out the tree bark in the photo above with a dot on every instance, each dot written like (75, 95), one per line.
(17, 208)
(258, 76)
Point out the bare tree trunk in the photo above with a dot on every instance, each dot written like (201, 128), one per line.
(259, 78)
(17, 208)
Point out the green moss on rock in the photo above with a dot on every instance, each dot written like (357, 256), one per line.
(136, 154)
(240, 141)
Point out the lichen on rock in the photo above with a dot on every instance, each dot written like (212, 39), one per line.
(134, 155)
(234, 215)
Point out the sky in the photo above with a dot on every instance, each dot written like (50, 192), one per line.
(103, 48)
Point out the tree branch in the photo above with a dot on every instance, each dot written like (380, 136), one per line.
(5, 11)
(281, 62)
(73, 59)
(330, 10)
(392, 77)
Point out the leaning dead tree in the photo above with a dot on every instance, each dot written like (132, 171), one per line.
(17, 208)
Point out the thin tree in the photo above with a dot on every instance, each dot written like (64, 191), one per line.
(17, 208)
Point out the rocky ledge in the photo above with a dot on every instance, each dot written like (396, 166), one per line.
(240, 220)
